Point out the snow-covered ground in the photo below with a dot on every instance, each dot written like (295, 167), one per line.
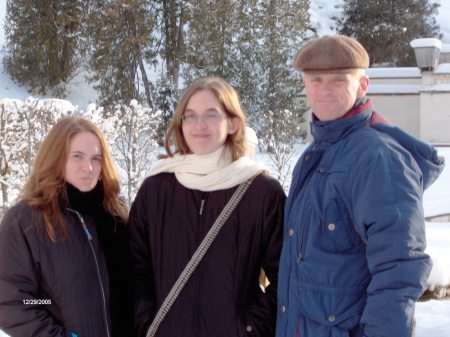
(433, 317)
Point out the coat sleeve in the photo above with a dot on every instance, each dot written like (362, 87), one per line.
(21, 315)
(387, 207)
(261, 314)
(144, 296)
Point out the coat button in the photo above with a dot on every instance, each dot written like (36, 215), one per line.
(290, 232)
(308, 158)
(331, 227)
(248, 328)
(283, 308)
(331, 318)
(299, 258)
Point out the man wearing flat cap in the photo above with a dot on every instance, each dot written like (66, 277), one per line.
(353, 261)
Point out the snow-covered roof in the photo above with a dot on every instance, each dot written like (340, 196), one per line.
(402, 72)
(395, 89)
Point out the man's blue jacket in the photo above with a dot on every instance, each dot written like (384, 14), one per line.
(353, 261)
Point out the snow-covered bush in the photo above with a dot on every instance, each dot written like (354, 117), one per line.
(280, 135)
(130, 129)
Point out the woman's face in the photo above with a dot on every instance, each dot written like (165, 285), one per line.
(84, 161)
(205, 124)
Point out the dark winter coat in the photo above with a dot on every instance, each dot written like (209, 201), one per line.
(78, 287)
(353, 260)
(223, 297)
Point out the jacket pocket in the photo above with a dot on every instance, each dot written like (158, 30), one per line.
(331, 306)
(338, 232)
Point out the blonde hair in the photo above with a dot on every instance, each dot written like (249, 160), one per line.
(229, 99)
(45, 188)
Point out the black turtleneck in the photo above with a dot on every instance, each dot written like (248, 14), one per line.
(85, 203)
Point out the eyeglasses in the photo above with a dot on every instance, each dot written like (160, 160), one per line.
(208, 118)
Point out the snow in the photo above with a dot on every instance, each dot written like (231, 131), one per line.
(384, 72)
(438, 235)
(428, 42)
(437, 196)
(433, 317)
(392, 89)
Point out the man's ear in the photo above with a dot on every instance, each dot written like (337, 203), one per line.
(363, 86)
(234, 125)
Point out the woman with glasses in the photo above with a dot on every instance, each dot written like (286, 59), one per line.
(178, 203)
(64, 255)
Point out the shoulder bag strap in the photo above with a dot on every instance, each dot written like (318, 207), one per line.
(197, 257)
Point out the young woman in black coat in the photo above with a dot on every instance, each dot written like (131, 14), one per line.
(207, 159)
(64, 256)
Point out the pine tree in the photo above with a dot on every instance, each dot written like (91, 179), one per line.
(173, 21)
(120, 40)
(41, 43)
(386, 27)
(284, 25)
(172, 16)
(251, 44)
(211, 27)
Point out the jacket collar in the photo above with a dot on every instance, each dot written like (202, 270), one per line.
(330, 132)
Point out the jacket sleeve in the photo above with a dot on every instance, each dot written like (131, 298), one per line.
(261, 314)
(21, 315)
(145, 306)
(387, 207)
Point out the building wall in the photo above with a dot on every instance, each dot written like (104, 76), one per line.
(435, 117)
(402, 110)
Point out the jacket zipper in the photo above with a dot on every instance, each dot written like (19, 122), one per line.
(97, 266)
(301, 253)
(202, 204)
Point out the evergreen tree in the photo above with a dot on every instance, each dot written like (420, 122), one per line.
(172, 15)
(211, 27)
(284, 27)
(386, 27)
(251, 44)
(41, 43)
(165, 101)
(173, 21)
(120, 40)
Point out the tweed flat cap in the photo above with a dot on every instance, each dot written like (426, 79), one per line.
(331, 54)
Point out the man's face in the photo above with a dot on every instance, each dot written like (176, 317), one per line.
(331, 96)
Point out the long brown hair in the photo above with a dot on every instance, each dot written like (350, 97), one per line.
(229, 99)
(45, 188)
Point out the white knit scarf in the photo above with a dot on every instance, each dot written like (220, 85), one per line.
(210, 172)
